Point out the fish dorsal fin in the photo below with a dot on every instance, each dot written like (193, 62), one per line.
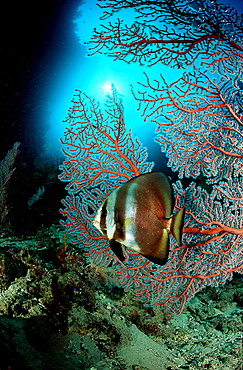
(177, 225)
(160, 253)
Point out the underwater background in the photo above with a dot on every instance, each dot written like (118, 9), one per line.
(63, 306)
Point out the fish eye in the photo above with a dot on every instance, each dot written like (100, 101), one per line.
(118, 225)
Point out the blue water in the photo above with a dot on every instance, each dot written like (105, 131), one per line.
(94, 76)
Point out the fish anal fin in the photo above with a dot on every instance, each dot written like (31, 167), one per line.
(116, 247)
(160, 253)
(177, 225)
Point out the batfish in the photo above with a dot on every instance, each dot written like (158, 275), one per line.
(138, 215)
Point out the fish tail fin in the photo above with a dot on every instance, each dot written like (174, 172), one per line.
(177, 225)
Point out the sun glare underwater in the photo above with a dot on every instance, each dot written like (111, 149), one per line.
(94, 76)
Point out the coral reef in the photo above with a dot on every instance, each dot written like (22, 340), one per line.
(58, 310)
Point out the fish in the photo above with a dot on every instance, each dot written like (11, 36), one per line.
(138, 215)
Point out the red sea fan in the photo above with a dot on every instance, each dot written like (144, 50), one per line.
(100, 155)
(199, 127)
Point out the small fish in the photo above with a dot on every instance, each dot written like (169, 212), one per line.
(138, 215)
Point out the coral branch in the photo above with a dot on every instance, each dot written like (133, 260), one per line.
(100, 155)
(199, 122)
(6, 172)
(201, 24)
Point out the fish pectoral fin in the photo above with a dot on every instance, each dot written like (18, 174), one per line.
(177, 225)
(116, 247)
(127, 222)
(160, 253)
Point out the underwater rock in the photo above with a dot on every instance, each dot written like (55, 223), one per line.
(64, 313)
